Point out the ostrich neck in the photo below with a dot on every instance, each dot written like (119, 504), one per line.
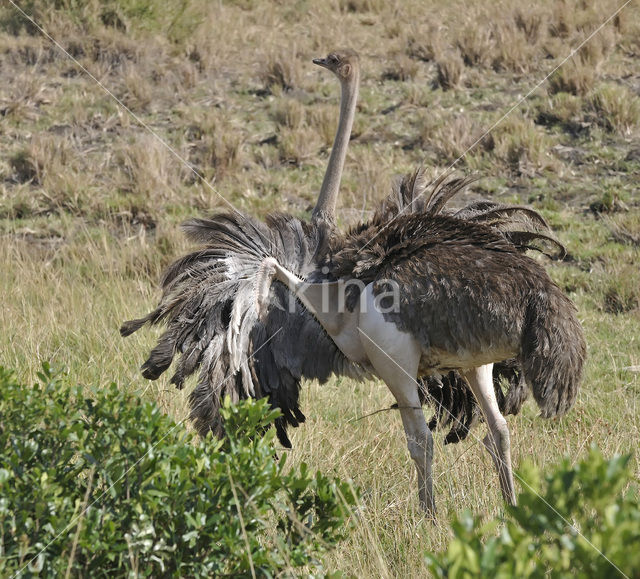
(324, 301)
(320, 299)
(326, 205)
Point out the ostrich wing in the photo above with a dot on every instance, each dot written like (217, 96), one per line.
(524, 227)
(211, 323)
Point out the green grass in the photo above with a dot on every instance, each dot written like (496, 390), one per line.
(90, 203)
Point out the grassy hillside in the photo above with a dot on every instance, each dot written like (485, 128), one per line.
(91, 194)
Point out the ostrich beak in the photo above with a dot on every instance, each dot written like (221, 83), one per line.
(321, 62)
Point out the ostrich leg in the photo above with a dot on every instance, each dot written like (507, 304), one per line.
(395, 357)
(497, 440)
(419, 438)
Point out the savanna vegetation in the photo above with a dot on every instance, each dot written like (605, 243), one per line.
(223, 106)
(102, 484)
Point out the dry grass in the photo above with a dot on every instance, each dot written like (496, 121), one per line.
(522, 146)
(451, 138)
(616, 109)
(90, 203)
(563, 108)
(476, 45)
(281, 70)
(449, 68)
(577, 77)
(622, 294)
(217, 146)
(403, 68)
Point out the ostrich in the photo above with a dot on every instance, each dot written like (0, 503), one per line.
(427, 294)
(208, 298)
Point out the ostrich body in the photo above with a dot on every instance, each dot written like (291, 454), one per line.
(467, 299)
(208, 300)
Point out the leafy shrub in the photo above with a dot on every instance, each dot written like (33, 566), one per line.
(108, 485)
(536, 539)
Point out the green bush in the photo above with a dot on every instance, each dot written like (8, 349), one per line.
(536, 539)
(108, 485)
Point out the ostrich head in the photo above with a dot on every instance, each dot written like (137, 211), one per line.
(345, 64)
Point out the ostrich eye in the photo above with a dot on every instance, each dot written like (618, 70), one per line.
(333, 59)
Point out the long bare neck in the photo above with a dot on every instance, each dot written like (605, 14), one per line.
(321, 299)
(325, 301)
(326, 206)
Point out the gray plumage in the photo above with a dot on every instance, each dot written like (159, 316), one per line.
(211, 324)
(212, 327)
(465, 283)
(429, 293)
(455, 406)
(476, 315)
(207, 302)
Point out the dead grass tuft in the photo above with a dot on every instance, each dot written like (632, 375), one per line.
(417, 94)
(297, 145)
(425, 46)
(562, 22)
(150, 170)
(449, 68)
(523, 147)
(281, 70)
(112, 50)
(625, 230)
(25, 167)
(50, 165)
(300, 135)
(564, 109)
(361, 6)
(26, 94)
(512, 51)
(216, 146)
(138, 93)
(599, 48)
(19, 203)
(452, 138)
(476, 45)
(324, 121)
(575, 77)
(531, 23)
(615, 108)
(570, 18)
(402, 68)
(289, 113)
(622, 294)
